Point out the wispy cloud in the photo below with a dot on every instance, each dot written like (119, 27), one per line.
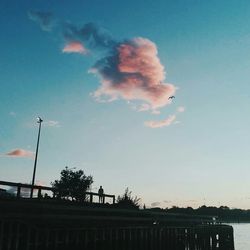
(74, 47)
(156, 204)
(155, 112)
(192, 201)
(181, 109)
(12, 113)
(162, 123)
(166, 122)
(167, 201)
(51, 123)
(20, 153)
(44, 19)
(143, 107)
(45, 123)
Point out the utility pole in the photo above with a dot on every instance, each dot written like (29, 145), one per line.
(39, 121)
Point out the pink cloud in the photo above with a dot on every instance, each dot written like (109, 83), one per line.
(134, 72)
(74, 47)
(20, 153)
(160, 124)
(181, 109)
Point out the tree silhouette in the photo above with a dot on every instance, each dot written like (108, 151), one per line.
(72, 184)
(128, 201)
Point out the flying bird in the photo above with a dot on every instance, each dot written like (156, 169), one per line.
(171, 97)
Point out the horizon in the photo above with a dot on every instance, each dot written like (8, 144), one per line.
(152, 96)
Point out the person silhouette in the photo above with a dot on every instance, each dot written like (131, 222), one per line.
(100, 193)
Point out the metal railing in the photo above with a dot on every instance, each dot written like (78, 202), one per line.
(20, 186)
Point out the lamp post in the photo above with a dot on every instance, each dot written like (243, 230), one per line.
(39, 121)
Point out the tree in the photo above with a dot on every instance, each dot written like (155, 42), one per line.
(128, 201)
(72, 184)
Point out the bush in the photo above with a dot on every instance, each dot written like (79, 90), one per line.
(128, 201)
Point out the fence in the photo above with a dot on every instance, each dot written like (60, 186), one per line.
(18, 236)
(19, 186)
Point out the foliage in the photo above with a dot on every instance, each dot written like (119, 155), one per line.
(128, 201)
(72, 184)
(223, 213)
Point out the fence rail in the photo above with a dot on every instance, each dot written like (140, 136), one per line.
(20, 236)
(20, 186)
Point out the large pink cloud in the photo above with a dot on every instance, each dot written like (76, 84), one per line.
(74, 47)
(160, 124)
(20, 153)
(129, 70)
(133, 71)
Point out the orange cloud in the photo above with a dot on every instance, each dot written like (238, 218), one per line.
(160, 124)
(20, 153)
(74, 47)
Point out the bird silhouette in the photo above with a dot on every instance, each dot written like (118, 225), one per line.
(171, 97)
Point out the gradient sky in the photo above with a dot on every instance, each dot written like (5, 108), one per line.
(200, 157)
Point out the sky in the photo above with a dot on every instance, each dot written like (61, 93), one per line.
(150, 95)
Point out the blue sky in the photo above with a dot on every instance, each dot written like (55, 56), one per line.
(200, 157)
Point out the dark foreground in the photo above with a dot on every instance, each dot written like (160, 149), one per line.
(20, 236)
(46, 225)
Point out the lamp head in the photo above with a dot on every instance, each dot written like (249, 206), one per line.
(39, 119)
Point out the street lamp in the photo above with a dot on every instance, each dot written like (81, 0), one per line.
(39, 121)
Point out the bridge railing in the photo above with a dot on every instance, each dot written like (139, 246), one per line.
(22, 186)
(29, 236)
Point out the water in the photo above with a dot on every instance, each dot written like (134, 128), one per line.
(242, 236)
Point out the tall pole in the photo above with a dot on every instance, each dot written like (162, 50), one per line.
(39, 121)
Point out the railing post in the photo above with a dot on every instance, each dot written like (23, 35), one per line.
(91, 198)
(103, 198)
(113, 199)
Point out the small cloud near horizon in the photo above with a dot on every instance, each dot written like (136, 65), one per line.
(155, 204)
(20, 153)
(166, 201)
(192, 201)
